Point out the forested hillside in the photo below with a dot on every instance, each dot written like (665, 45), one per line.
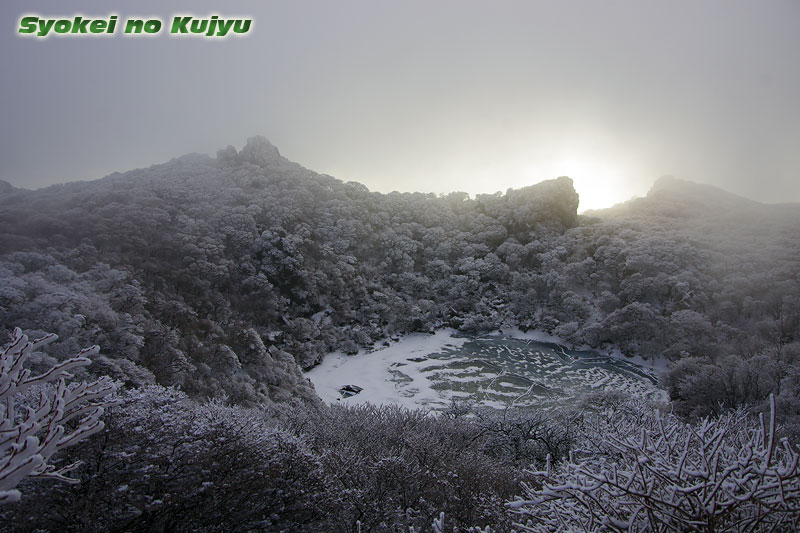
(206, 273)
(216, 275)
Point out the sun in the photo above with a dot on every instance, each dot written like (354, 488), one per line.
(599, 182)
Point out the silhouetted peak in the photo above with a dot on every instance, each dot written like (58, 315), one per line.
(259, 151)
(667, 181)
(674, 189)
(228, 155)
(553, 199)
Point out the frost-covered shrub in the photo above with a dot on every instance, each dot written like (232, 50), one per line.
(165, 462)
(639, 470)
(37, 419)
(700, 387)
(522, 437)
(390, 465)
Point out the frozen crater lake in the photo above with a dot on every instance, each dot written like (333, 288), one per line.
(497, 370)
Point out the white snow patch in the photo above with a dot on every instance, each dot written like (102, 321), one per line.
(386, 375)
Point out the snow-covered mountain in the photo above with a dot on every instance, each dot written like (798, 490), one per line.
(219, 274)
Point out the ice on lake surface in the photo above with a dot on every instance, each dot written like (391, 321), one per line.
(494, 370)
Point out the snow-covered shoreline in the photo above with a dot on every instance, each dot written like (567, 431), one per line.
(370, 370)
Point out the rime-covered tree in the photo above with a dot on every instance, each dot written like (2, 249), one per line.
(640, 470)
(41, 415)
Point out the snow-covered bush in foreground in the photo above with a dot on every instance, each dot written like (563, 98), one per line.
(31, 434)
(389, 465)
(167, 463)
(639, 470)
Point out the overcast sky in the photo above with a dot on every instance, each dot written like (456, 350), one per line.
(426, 95)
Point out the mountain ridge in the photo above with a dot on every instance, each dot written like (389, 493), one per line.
(259, 151)
(673, 198)
(222, 275)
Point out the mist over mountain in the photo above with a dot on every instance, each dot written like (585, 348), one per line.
(671, 197)
(219, 274)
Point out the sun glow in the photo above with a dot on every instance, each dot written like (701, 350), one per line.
(599, 182)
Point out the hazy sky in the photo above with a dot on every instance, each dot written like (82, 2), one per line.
(426, 95)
